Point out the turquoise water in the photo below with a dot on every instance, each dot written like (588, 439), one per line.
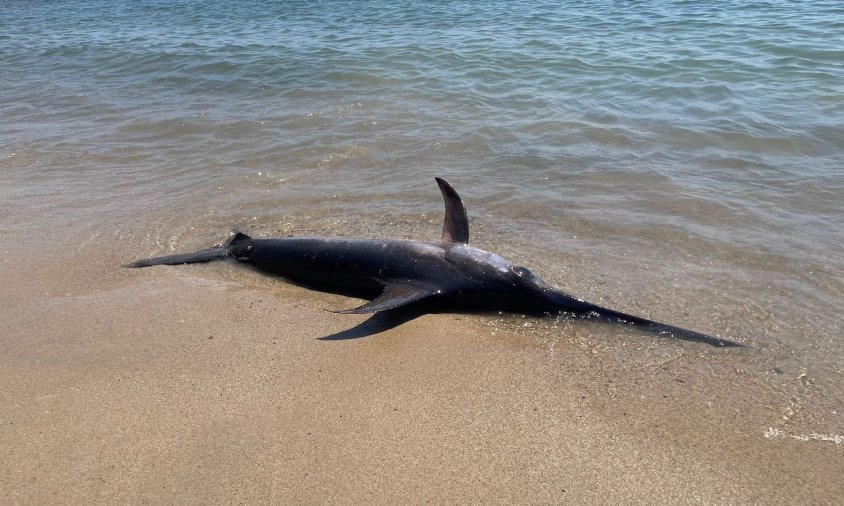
(680, 157)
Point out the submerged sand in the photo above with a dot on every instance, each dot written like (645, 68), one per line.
(210, 384)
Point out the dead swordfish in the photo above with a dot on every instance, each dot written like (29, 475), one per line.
(398, 273)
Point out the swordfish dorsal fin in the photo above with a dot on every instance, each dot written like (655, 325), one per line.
(456, 225)
(394, 295)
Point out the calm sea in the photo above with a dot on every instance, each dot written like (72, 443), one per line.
(681, 159)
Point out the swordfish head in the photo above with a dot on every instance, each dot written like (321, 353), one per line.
(495, 282)
(492, 273)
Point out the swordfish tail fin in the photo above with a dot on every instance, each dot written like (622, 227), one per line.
(586, 310)
(205, 255)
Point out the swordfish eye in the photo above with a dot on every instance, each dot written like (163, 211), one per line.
(522, 272)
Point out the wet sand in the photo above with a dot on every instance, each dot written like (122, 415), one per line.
(210, 384)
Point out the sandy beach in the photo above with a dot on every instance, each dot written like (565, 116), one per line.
(679, 161)
(210, 384)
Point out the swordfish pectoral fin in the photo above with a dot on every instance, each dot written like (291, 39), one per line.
(456, 224)
(394, 295)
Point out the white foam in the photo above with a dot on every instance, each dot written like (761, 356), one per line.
(825, 438)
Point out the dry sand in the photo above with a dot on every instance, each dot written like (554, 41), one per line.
(209, 384)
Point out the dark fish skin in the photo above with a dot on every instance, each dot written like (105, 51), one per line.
(397, 273)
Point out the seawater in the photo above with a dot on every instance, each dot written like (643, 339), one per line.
(681, 159)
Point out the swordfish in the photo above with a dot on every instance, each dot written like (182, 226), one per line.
(398, 273)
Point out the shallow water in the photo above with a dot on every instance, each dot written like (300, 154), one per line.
(680, 160)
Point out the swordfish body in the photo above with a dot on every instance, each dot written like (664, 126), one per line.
(397, 273)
